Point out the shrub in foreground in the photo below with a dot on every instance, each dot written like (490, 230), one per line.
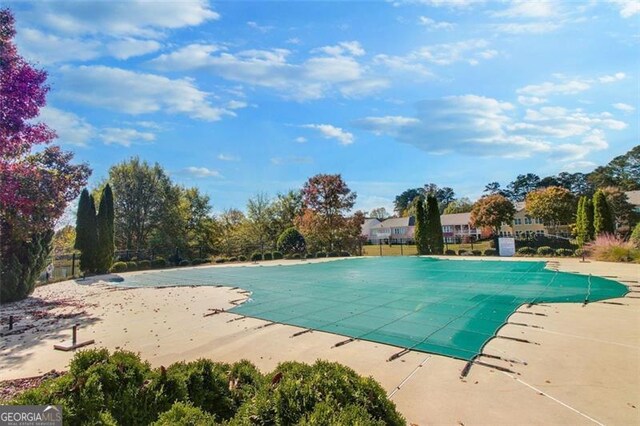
(277, 255)
(333, 254)
(132, 266)
(184, 262)
(144, 264)
(450, 252)
(184, 414)
(267, 256)
(490, 252)
(242, 258)
(121, 389)
(321, 254)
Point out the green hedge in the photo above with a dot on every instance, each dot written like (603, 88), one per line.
(184, 262)
(158, 262)
(119, 267)
(119, 388)
(132, 266)
(277, 255)
(545, 251)
(242, 258)
(267, 256)
(526, 251)
(564, 252)
(256, 257)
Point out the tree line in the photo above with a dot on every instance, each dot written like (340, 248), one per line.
(151, 214)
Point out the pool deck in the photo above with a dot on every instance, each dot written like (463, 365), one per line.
(582, 365)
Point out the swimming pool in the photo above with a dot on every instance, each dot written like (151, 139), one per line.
(447, 307)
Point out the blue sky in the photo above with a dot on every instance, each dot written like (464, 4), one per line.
(245, 97)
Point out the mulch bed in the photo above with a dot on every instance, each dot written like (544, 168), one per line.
(9, 389)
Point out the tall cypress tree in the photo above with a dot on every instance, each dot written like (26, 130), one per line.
(105, 231)
(581, 225)
(86, 232)
(602, 217)
(434, 226)
(420, 233)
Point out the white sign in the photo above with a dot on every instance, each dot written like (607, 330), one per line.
(507, 246)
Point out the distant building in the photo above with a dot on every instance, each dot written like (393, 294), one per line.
(633, 197)
(456, 228)
(395, 230)
(525, 226)
(365, 233)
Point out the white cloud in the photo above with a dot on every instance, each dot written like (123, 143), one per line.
(570, 87)
(624, 107)
(301, 139)
(202, 172)
(529, 9)
(451, 4)
(130, 18)
(612, 78)
(280, 161)
(50, 49)
(628, 8)
(481, 126)
(331, 132)
(349, 48)
(227, 157)
(527, 27)
(312, 78)
(129, 47)
(125, 137)
(136, 93)
(262, 28)
(70, 128)
(432, 24)
(470, 51)
(531, 100)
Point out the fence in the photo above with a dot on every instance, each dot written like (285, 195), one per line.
(410, 249)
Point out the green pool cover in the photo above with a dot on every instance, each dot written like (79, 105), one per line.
(447, 307)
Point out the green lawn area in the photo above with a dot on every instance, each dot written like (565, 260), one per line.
(407, 250)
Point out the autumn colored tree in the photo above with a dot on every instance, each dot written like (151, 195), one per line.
(329, 199)
(35, 187)
(491, 211)
(554, 205)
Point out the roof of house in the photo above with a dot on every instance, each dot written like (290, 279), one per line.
(633, 197)
(397, 222)
(455, 219)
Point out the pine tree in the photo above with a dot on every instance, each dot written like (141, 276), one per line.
(435, 239)
(105, 231)
(602, 217)
(86, 232)
(420, 233)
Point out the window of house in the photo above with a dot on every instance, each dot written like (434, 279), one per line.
(517, 221)
(527, 221)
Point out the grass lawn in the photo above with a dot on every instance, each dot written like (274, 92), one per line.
(407, 250)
